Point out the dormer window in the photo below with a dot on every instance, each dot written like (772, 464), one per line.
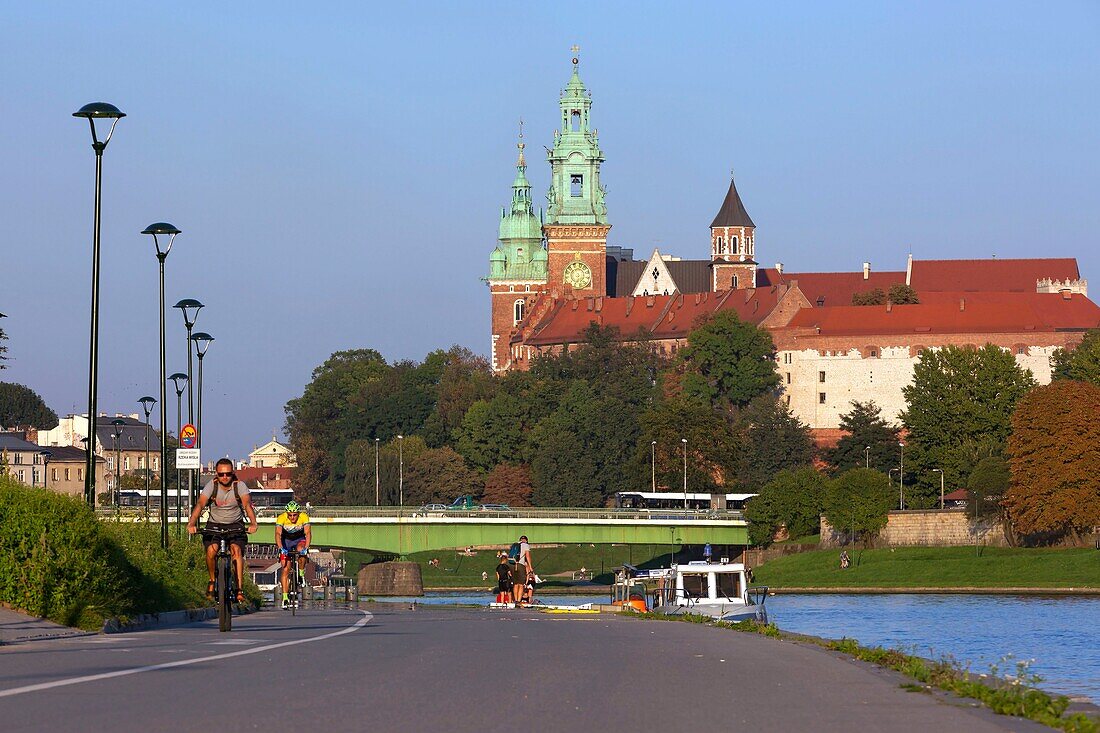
(576, 184)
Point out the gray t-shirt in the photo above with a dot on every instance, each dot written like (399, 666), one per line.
(223, 505)
(524, 549)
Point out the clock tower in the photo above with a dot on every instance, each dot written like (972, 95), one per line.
(576, 223)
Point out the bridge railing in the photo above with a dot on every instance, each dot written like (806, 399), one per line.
(268, 514)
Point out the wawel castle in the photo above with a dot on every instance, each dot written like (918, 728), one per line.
(552, 275)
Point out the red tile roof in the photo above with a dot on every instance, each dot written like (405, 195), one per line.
(837, 288)
(992, 274)
(941, 313)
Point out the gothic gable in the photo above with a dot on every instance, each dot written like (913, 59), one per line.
(656, 278)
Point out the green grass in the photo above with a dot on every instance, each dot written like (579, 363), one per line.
(458, 571)
(901, 567)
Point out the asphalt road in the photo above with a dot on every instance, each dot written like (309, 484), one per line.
(457, 670)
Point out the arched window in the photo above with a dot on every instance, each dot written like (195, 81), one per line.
(517, 311)
(733, 245)
(733, 283)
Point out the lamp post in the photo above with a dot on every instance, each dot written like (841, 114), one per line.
(86, 443)
(162, 229)
(901, 477)
(401, 470)
(92, 112)
(377, 496)
(940, 472)
(684, 442)
(189, 308)
(891, 476)
(118, 460)
(46, 456)
(653, 465)
(202, 343)
(867, 457)
(147, 403)
(180, 381)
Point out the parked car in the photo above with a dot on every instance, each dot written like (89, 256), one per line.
(464, 503)
(434, 508)
(495, 508)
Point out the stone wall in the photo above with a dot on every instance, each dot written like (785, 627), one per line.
(927, 527)
(390, 579)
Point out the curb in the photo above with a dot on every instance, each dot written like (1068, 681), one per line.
(167, 618)
(966, 590)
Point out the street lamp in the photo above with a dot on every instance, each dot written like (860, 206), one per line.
(92, 112)
(867, 457)
(940, 472)
(202, 343)
(147, 403)
(890, 474)
(684, 442)
(46, 456)
(401, 470)
(180, 381)
(377, 495)
(901, 477)
(118, 460)
(162, 229)
(653, 464)
(189, 308)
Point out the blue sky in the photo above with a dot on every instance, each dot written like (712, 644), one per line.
(338, 171)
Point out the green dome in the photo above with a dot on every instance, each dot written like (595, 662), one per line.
(497, 255)
(523, 225)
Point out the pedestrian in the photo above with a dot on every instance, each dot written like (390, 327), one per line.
(845, 561)
(504, 579)
(523, 567)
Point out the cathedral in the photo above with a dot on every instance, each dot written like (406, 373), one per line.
(552, 274)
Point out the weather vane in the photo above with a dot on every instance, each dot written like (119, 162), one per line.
(576, 50)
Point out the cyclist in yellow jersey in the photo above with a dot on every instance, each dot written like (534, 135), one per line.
(292, 537)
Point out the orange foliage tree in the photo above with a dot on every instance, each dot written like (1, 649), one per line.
(1054, 456)
(508, 484)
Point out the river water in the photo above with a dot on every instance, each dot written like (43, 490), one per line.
(1060, 633)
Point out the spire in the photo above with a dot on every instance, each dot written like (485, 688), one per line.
(732, 213)
(521, 187)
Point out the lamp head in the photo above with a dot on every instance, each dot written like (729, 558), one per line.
(100, 111)
(162, 229)
(190, 309)
(202, 342)
(118, 423)
(180, 380)
(46, 455)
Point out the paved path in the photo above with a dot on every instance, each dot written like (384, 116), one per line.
(16, 626)
(458, 670)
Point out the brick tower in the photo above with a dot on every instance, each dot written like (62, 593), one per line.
(732, 245)
(576, 222)
(517, 267)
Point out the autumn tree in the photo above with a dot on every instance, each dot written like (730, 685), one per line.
(858, 503)
(1054, 457)
(438, 475)
(868, 440)
(772, 440)
(508, 484)
(959, 405)
(1081, 363)
(793, 499)
(20, 405)
(728, 362)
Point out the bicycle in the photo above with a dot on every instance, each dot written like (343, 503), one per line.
(294, 585)
(225, 577)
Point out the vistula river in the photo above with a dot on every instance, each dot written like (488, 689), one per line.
(1060, 633)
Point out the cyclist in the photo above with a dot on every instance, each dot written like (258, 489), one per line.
(229, 504)
(292, 536)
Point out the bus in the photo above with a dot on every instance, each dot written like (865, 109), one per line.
(261, 498)
(673, 500)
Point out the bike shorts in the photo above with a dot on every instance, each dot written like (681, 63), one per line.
(292, 543)
(238, 538)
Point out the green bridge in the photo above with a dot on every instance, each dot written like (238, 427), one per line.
(400, 532)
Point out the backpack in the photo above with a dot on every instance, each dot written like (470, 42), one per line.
(513, 552)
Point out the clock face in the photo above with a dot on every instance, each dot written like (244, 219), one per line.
(578, 275)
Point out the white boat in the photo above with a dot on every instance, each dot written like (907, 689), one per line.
(719, 590)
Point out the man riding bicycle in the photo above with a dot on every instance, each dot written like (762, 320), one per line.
(292, 537)
(229, 504)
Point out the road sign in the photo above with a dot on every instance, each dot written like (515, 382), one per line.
(188, 458)
(189, 436)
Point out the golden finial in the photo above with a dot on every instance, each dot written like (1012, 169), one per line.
(576, 50)
(521, 145)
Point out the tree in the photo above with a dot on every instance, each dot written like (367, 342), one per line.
(871, 297)
(728, 362)
(793, 499)
(858, 503)
(902, 294)
(494, 432)
(20, 405)
(438, 475)
(508, 484)
(712, 446)
(465, 379)
(864, 428)
(987, 486)
(1081, 363)
(959, 405)
(1054, 457)
(772, 440)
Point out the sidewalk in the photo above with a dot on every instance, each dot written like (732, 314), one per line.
(16, 626)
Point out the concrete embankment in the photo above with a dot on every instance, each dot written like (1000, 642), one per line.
(965, 590)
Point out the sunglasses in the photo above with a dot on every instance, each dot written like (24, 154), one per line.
(225, 473)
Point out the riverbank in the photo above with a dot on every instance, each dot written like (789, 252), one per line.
(937, 570)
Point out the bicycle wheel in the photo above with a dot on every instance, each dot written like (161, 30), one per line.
(293, 570)
(225, 615)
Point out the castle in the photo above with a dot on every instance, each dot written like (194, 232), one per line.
(552, 275)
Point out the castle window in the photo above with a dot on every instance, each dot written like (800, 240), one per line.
(821, 398)
(576, 184)
(517, 311)
(788, 377)
(733, 245)
(821, 377)
(1021, 350)
(733, 283)
(788, 400)
(719, 247)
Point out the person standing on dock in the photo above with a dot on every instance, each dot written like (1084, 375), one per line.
(520, 572)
